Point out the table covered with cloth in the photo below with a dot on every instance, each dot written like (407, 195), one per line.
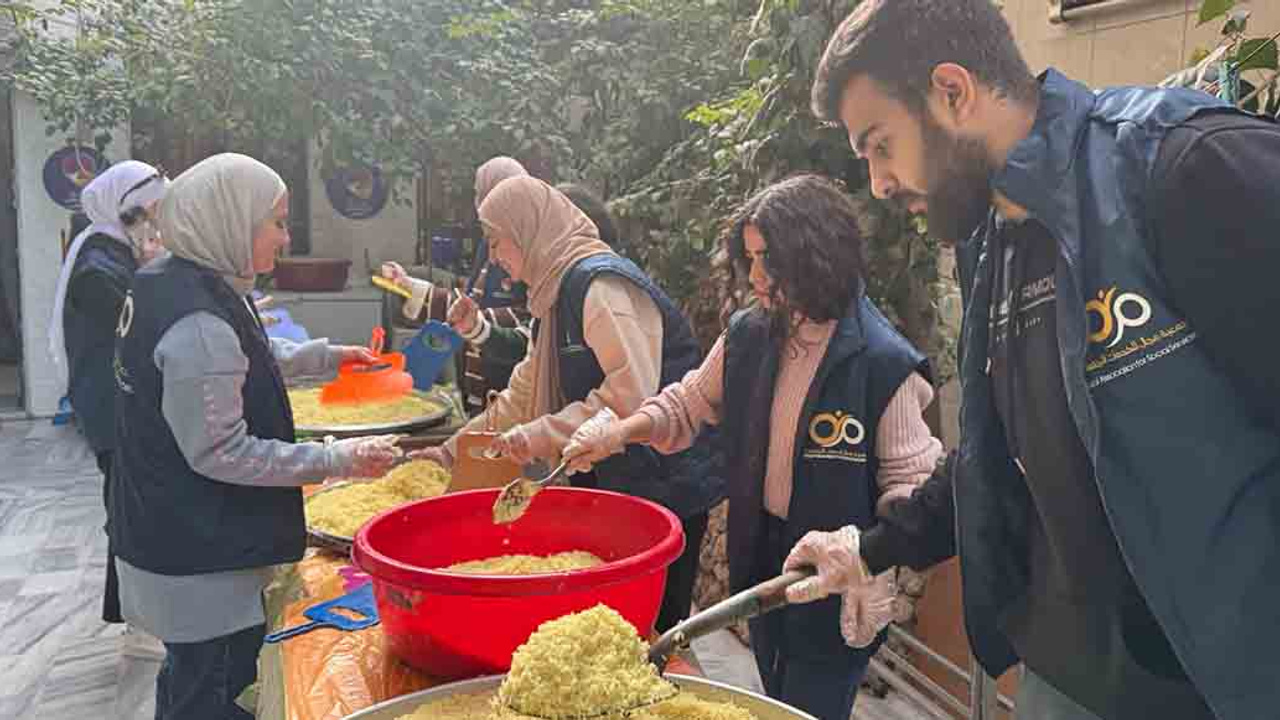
(328, 674)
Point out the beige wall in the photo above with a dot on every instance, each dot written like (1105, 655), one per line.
(389, 235)
(1134, 42)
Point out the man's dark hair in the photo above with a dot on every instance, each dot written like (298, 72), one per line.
(898, 43)
(593, 207)
(814, 245)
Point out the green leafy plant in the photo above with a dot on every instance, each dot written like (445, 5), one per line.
(1241, 68)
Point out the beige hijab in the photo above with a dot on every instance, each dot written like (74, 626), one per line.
(554, 235)
(211, 212)
(494, 171)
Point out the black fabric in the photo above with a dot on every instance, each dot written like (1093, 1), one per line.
(682, 575)
(491, 284)
(1215, 219)
(201, 681)
(824, 686)
(99, 282)
(917, 531)
(689, 482)
(111, 589)
(834, 476)
(1082, 620)
(164, 516)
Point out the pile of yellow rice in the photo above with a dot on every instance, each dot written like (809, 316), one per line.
(308, 411)
(343, 510)
(579, 665)
(528, 564)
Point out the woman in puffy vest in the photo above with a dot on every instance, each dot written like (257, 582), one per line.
(206, 495)
(604, 336)
(120, 206)
(819, 404)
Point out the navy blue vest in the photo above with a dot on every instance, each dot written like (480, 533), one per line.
(835, 465)
(688, 482)
(164, 516)
(1189, 477)
(91, 344)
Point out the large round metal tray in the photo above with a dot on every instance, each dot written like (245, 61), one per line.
(762, 707)
(322, 539)
(418, 423)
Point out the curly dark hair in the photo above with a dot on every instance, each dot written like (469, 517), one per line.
(815, 253)
(593, 207)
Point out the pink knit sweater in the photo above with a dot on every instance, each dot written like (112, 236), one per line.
(905, 448)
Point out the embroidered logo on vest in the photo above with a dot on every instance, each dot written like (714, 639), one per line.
(1112, 340)
(837, 436)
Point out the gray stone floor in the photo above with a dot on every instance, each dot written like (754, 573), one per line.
(59, 661)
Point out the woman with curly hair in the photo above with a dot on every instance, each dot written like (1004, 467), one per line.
(819, 401)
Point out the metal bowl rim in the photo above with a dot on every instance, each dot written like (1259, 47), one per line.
(441, 692)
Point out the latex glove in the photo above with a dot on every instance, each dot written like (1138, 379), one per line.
(396, 274)
(355, 353)
(364, 458)
(464, 315)
(437, 455)
(596, 439)
(512, 445)
(866, 609)
(836, 557)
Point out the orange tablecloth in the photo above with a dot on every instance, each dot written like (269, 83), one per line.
(329, 674)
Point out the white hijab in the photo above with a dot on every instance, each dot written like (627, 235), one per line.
(211, 211)
(103, 200)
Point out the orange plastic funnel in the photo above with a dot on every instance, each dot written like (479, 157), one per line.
(359, 382)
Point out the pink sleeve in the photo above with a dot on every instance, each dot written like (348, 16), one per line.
(905, 446)
(681, 409)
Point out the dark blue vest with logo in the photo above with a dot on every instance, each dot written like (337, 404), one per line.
(164, 516)
(688, 482)
(1189, 478)
(835, 465)
(90, 344)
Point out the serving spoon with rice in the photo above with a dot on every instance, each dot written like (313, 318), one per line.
(517, 495)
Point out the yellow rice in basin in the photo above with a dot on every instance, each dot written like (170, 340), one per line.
(342, 510)
(308, 411)
(528, 564)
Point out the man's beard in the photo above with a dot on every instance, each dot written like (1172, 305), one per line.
(959, 181)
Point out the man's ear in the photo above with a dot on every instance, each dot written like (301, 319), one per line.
(953, 95)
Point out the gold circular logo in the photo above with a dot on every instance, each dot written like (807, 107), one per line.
(827, 430)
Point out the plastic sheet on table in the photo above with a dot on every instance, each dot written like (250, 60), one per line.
(328, 674)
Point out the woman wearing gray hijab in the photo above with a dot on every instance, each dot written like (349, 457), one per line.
(207, 498)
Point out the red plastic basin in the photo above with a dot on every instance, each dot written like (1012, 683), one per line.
(454, 626)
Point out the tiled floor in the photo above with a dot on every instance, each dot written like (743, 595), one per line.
(59, 661)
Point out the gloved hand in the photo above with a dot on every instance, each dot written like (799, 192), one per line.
(354, 353)
(836, 557)
(596, 439)
(437, 455)
(866, 609)
(363, 458)
(512, 445)
(464, 316)
(395, 273)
